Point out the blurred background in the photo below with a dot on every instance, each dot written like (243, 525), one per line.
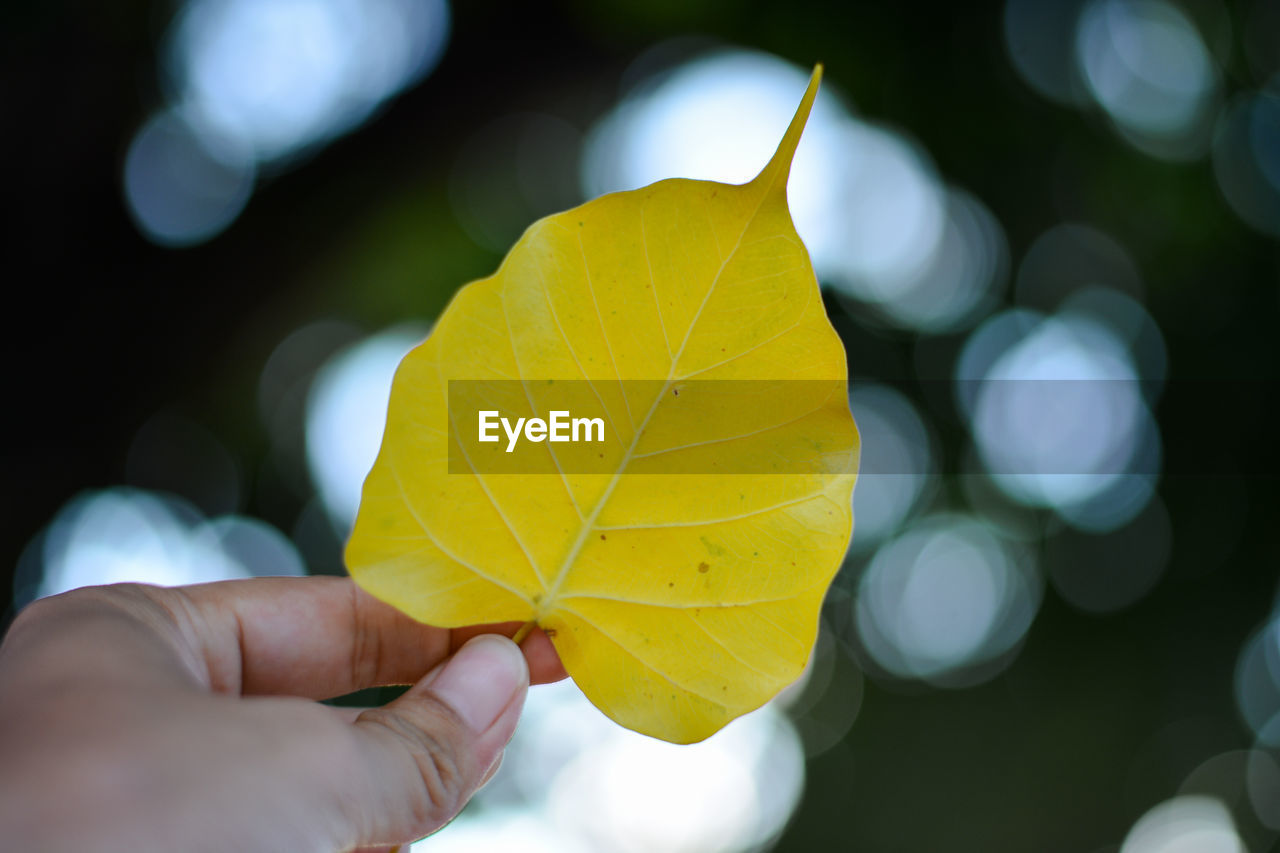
(1048, 232)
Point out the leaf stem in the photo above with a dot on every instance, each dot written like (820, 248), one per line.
(524, 631)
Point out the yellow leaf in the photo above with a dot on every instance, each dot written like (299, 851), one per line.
(680, 562)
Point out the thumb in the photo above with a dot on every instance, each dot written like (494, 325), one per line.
(427, 752)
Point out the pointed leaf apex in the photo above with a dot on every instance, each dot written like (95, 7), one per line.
(779, 167)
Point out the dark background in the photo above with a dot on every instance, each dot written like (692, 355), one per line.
(1098, 719)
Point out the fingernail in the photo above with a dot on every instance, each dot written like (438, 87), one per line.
(481, 678)
(493, 771)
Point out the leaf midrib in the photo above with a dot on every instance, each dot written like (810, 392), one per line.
(546, 604)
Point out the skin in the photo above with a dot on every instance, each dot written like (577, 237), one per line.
(143, 718)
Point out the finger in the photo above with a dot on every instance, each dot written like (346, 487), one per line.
(317, 637)
(427, 752)
(314, 637)
(99, 635)
(545, 665)
(346, 713)
(539, 654)
(544, 662)
(493, 771)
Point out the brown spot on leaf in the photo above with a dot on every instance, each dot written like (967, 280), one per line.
(671, 583)
(550, 632)
(703, 568)
(601, 537)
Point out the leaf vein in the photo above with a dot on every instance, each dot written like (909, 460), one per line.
(484, 486)
(592, 596)
(604, 333)
(555, 316)
(653, 284)
(738, 437)
(413, 513)
(753, 347)
(588, 524)
(707, 522)
(684, 691)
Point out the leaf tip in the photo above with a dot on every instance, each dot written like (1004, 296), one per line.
(779, 167)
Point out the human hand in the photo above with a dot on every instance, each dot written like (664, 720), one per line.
(144, 718)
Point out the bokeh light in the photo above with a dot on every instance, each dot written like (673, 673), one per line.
(824, 702)
(1257, 683)
(1131, 325)
(346, 413)
(964, 276)
(128, 535)
(716, 118)
(1262, 785)
(1186, 824)
(257, 82)
(878, 223)
(1245, 158)
(576, 781)
(490, 830)
(1147, 66)
(1059, 417)
(1234, 778)
(886, 218)
(1071, 256)
(946, 601)
(181, 186)
(1038, 37)
(898, 466)
(279, 75)
(284, 477)
(286, 376)
(1088, 340)
(1106, 572)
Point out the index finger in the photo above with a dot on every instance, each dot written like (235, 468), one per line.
(320, 637)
